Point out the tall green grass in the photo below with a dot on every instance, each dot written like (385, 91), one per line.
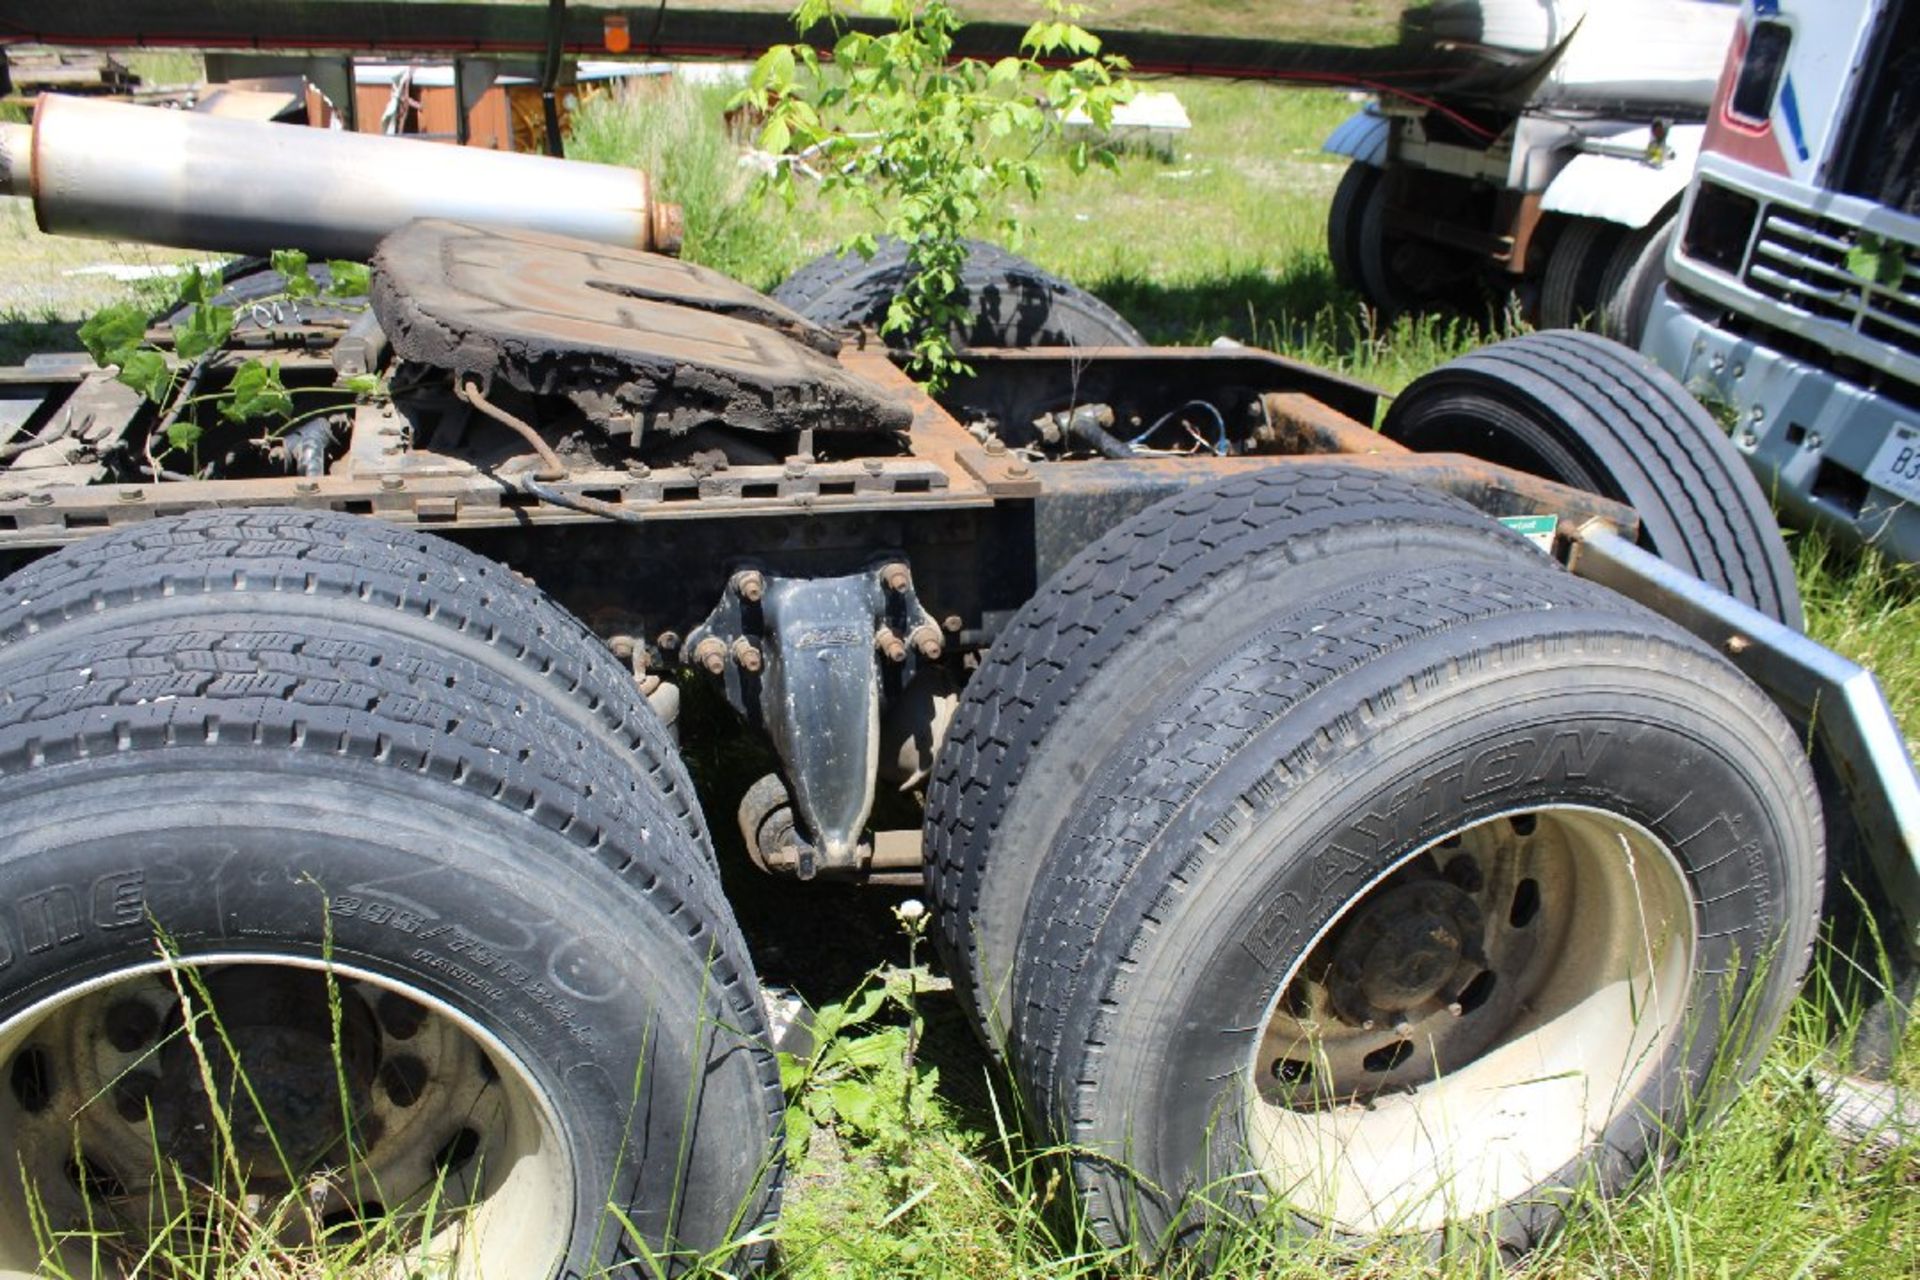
(677, 133)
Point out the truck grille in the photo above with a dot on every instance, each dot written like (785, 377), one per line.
(1800, 259)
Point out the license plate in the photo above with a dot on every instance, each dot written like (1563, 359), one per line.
(1896, 468)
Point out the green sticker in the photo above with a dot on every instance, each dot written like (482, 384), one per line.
(1538, 530)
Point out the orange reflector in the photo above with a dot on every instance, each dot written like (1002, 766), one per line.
(614, 33)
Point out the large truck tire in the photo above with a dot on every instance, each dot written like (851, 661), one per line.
(1014, 303)
(1376, 256)
(1579, 409)
(362, 922)
(1343, 221)
(1570, 287)
(1446, 893)
(256, 292)
(1110, 633)
(296, 564)
(1634, 274)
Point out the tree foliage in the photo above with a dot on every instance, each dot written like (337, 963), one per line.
(929, 144)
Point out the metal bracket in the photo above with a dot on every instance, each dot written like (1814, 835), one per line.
(806, 659)
(1839, 701)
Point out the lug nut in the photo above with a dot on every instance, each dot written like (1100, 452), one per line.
(404, 1079)
(131, 1093)
(130, 1025)
(711, 653)
(895, 577)
(746, 655)
(890, 645)
(399, 1017)
(749, 585)
(926, 641)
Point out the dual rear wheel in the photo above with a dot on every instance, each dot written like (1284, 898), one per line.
(1437, 885)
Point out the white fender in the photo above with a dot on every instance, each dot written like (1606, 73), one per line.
(1612, 178)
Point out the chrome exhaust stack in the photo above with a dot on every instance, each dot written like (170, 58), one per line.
(119, 172)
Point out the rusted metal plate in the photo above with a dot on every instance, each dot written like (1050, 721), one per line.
(619, 332)
(451, 496)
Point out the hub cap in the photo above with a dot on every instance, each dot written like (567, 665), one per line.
(1466, 1026)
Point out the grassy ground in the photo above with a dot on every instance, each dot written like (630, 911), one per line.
(1224, 238)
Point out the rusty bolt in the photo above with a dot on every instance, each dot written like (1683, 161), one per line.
(890, 645)
(711, 653)
(306, 486)
(746, 655)
(1018, 469)
(926, 641)
(750, 584)
(895, 577)
(995, 446)
(131, 494)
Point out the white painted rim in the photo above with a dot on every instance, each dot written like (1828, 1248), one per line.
(1450, 1109)
(506, 1209)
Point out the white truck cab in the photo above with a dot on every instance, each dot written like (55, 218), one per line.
(1793, 305)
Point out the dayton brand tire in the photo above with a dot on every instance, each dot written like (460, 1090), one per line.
(1123, 623)
(1443, 895)
(460, 958)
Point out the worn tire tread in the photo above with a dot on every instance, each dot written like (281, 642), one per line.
(376, 574)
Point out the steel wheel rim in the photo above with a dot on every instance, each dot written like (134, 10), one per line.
(450, 1136)
(1472, 1090)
